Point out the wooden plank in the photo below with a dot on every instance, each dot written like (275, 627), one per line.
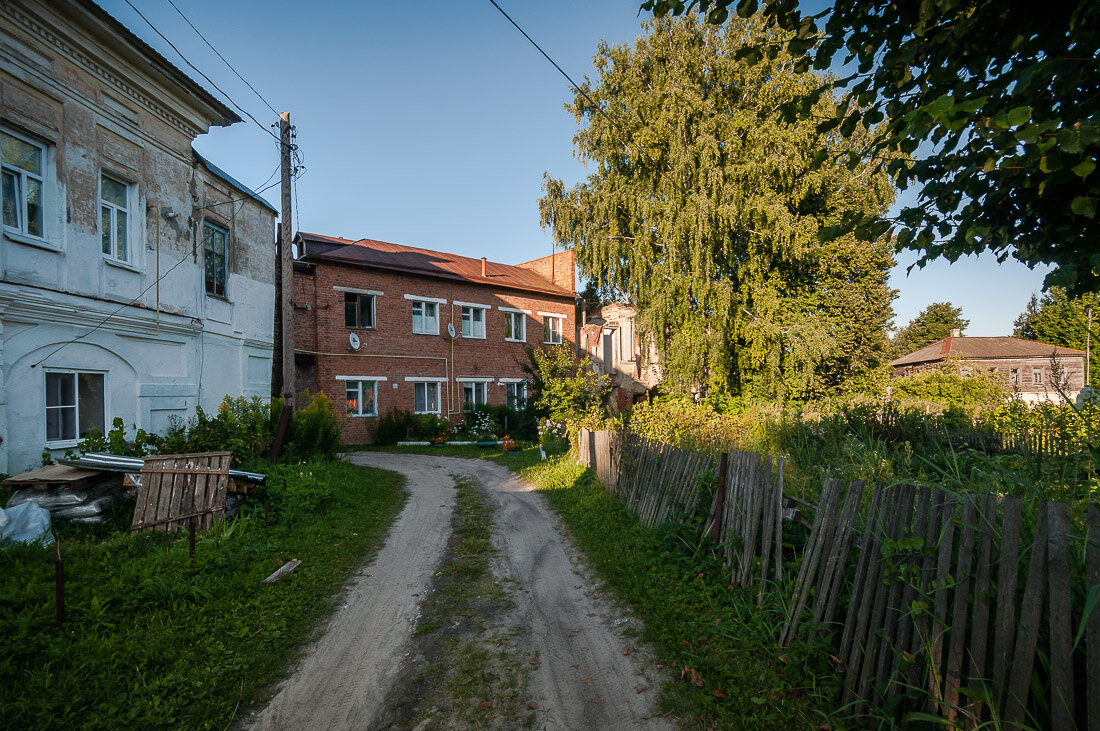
(1092, 640)
(835, 579)
(767, 497)
(824, 518)
(863, 567)
(912, 566)
(888, 654)
(282, 571)
(939, 629)
(756, 504)
(982, 593)
(963, 579)
(1060, 618)
(779, 522)
(920, 641)
(1007, 576)
(1027, 631)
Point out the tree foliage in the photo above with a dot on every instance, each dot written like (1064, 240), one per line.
(566, 388)
(993, 106)
(1058, 319)
(935, 322)
(705, 206)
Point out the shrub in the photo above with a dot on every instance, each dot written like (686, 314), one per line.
(314, 431)
(680, 422)
(567, 388)
(397, 425)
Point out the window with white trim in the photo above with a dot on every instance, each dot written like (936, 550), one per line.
(426, 397)
(1036, 376)
(474, 393)
(215, 256)
(425, 317)
(362, 398)
(358, 310)
(515, 326)
(114, 217)
(74, 405)
(473, 322)
(22, 184)
(551, 329)
(516, 395)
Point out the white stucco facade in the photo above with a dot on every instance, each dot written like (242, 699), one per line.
(136, 278)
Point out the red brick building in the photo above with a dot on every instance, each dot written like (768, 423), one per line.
(382, 326)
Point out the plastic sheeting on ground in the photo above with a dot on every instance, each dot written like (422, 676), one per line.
(25, 523)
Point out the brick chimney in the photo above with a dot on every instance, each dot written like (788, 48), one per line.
(483, 266)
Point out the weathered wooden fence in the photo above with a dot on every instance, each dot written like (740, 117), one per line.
(953, 599)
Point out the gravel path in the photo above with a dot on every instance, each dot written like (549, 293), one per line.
(583, 679)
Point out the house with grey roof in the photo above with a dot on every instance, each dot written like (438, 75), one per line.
(1036, 372)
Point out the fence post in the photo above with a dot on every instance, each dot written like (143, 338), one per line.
(720, 498)
(59, 583)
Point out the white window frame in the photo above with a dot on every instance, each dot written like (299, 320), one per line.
(1036, 376)
(20, 230)
(480, 392)
(356, 383)
(548, 331)
(423, 385)
(515, 316)
(129, 227)
(510, 384)
(475, 324)
(435, 302)
(75, 374)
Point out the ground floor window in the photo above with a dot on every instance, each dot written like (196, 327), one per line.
(516, 395)
(474, 393)
(74, 405)
(362, 398)
(426, 398)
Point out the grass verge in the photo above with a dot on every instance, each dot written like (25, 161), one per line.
(154, 637)
(729, 670)
(466, 670)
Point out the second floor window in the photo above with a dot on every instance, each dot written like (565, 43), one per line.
(114, 217)
(22, 170)
(515, 326)
(473, 322)
(215, 255)
(358, 310)
(551, 330)
(425, 317)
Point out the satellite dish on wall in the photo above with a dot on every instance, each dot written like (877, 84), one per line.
(353, 340)
(451, 329)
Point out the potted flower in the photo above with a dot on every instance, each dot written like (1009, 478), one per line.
(438, 441)
(509, 445)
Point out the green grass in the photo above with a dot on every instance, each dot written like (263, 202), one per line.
(155, 638)
(692, 619)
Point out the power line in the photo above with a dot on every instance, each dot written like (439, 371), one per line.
(200, 73)
(552, 61)
(211, 46)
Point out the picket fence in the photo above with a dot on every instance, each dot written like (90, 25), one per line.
(936, 615)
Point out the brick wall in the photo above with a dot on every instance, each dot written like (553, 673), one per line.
(559, 268)
(392, 351)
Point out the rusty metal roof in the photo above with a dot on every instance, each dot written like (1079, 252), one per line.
(983, 349)
(423, 262)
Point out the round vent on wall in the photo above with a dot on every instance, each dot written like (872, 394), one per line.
(353, 340)
(451, 329)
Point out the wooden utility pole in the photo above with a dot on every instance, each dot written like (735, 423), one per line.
(1088, 350)
(286, 261)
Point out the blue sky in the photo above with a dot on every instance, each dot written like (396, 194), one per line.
(431, 123)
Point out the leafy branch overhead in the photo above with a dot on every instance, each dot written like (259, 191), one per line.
(992, 107)
(704, 210)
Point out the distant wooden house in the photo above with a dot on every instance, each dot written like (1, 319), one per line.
(1030, 368)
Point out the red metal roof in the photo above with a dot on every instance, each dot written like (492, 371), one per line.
(423, 262)
(983, 349)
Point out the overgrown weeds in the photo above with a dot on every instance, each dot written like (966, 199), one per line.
(153, 637)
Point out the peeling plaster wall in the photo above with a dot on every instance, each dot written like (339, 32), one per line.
(76, 86)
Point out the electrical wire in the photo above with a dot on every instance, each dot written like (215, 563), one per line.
(200, 73)
(554, 63)
(211, 46)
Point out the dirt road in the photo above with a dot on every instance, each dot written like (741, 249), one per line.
(583, 679)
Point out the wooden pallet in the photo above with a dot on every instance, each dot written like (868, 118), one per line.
(178, 488)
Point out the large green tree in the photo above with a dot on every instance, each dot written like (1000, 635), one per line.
(704, 208)
(1059, 319)
(935, 322)
(993, 106)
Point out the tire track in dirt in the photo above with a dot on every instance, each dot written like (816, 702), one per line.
(586, 674)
